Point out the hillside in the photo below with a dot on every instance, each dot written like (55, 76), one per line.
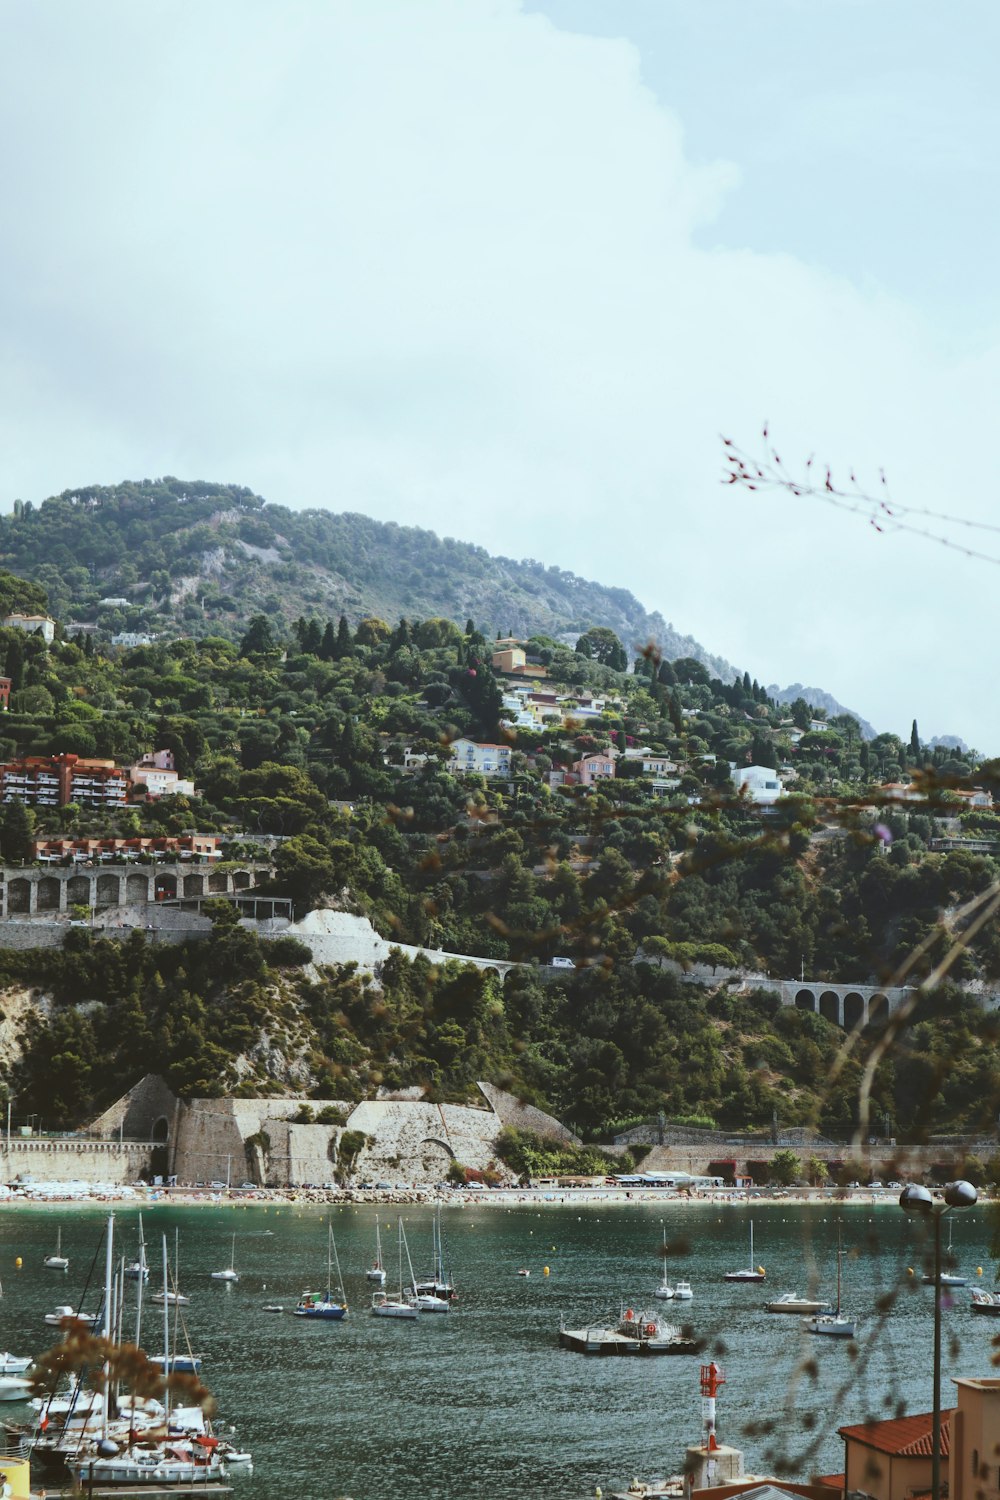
(205, 557)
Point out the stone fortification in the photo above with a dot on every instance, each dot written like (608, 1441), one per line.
(517, 1115)
(340, 937)
(74, 1160)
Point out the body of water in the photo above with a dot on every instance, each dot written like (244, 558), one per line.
(482, 1400)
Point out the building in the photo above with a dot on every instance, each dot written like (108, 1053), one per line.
(55, 780)
(114, 602)
(599, 766)
(891, 1460)
(758, 784)
(156, 775)
(512, 659)
(132, 638)
(183, 846)
(81, 851)
(482, 760)
(33, 624)
(5, 693)
(653, 764)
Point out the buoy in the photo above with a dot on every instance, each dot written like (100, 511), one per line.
(979, 1269)
(18, 1263)
(909, 1270)
(545, 1270)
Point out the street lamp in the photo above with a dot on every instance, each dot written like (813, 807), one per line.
(919, 1201)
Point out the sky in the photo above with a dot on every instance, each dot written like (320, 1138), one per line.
(512, 270)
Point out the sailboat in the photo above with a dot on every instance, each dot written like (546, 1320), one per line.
(948, 1278)
(751, 1272)
(325, 1307)
(230, 1273)
(664, 1291)
(57, 1262)
(401, 1306)
(138, 1270)
(834, 1324)
(171, 1294)
(436, 1286)
(376, 1272)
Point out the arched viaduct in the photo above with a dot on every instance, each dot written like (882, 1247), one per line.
(844, 1004)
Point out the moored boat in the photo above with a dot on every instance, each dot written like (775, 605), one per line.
(325, 1308)
(832, 1324)
(987, 1303)
(57, 1262)
(751, 1272)
(791, 1302)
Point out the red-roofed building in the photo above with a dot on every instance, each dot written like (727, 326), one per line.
(891, 1460)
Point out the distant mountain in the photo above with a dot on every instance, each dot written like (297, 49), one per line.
(203, 557)
(949, 742)
(817, 698)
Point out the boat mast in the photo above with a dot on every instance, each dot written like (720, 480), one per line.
(107, 1326)
(166, 1330)
(751, 1244)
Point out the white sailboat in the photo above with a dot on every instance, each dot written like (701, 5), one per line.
(833, 1325)
(948, 1278)
(57, 1262)
(751, 1272)
(230, 1273)
(434, 1292)
(664, 1291)
(401, 1306)
(170, 1294)
(138, 1270)
(376, 1272)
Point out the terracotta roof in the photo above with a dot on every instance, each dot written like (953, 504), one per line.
(905, 1437)
(835, 1481)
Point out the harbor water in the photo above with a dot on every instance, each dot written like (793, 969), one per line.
(482, 1400)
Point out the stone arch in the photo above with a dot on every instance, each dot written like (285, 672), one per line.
(829, 1006)
(805, 1000)
(48, 893)
(194, 885)
(217, 881)
(18, 895)
(854, 1009)
(78, 890)
(137, 889)
(242, 880)
(878, 1010)
(166, 887)
(436, 1156)
(109, 889)
(161, 1130)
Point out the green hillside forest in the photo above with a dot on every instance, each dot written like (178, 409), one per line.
(333, 732)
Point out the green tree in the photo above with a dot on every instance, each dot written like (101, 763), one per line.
(18, 833)
(259, 637)
(786, 1168)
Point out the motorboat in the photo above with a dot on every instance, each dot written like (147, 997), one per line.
(171, 1298)
(14, 1364)
(682, 1291)
(162, 1465)
(14, 1388)
(987, 1303)
(524, 1272)
(832, 1324)
(751, 1272)
(177, 1364)
(325, 1308)
(64, 1311)
(791, 1302)
(230, 1273)
(57, 1262)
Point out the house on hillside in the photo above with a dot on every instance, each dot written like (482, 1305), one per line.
(758, 784)
(599, 766)
(481, 760)
(42, 625)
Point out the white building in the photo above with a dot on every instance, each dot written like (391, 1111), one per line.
(155, 773)
(758, 784)
(132, 638)
(482, 760)
(32, 624)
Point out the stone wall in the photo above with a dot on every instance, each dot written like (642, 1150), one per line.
(74, 1160)
(517, 1115)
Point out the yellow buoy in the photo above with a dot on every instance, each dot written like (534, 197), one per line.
(545, 1270)
(979, 1269)
(18, 1263)
(909, 1270)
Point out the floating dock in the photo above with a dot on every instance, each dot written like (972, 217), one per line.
(608, 1341)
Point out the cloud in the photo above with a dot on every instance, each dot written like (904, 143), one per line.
(444, 263)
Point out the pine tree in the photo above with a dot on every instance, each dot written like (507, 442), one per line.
(328, 645)
(345, 641)
(914, 744)
(16, 834)
(312, 638)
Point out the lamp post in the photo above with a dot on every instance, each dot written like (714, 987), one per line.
(919, 1201)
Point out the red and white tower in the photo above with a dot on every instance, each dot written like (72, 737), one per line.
(711, 1379)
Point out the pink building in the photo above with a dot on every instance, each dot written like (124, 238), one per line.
(593, 768)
